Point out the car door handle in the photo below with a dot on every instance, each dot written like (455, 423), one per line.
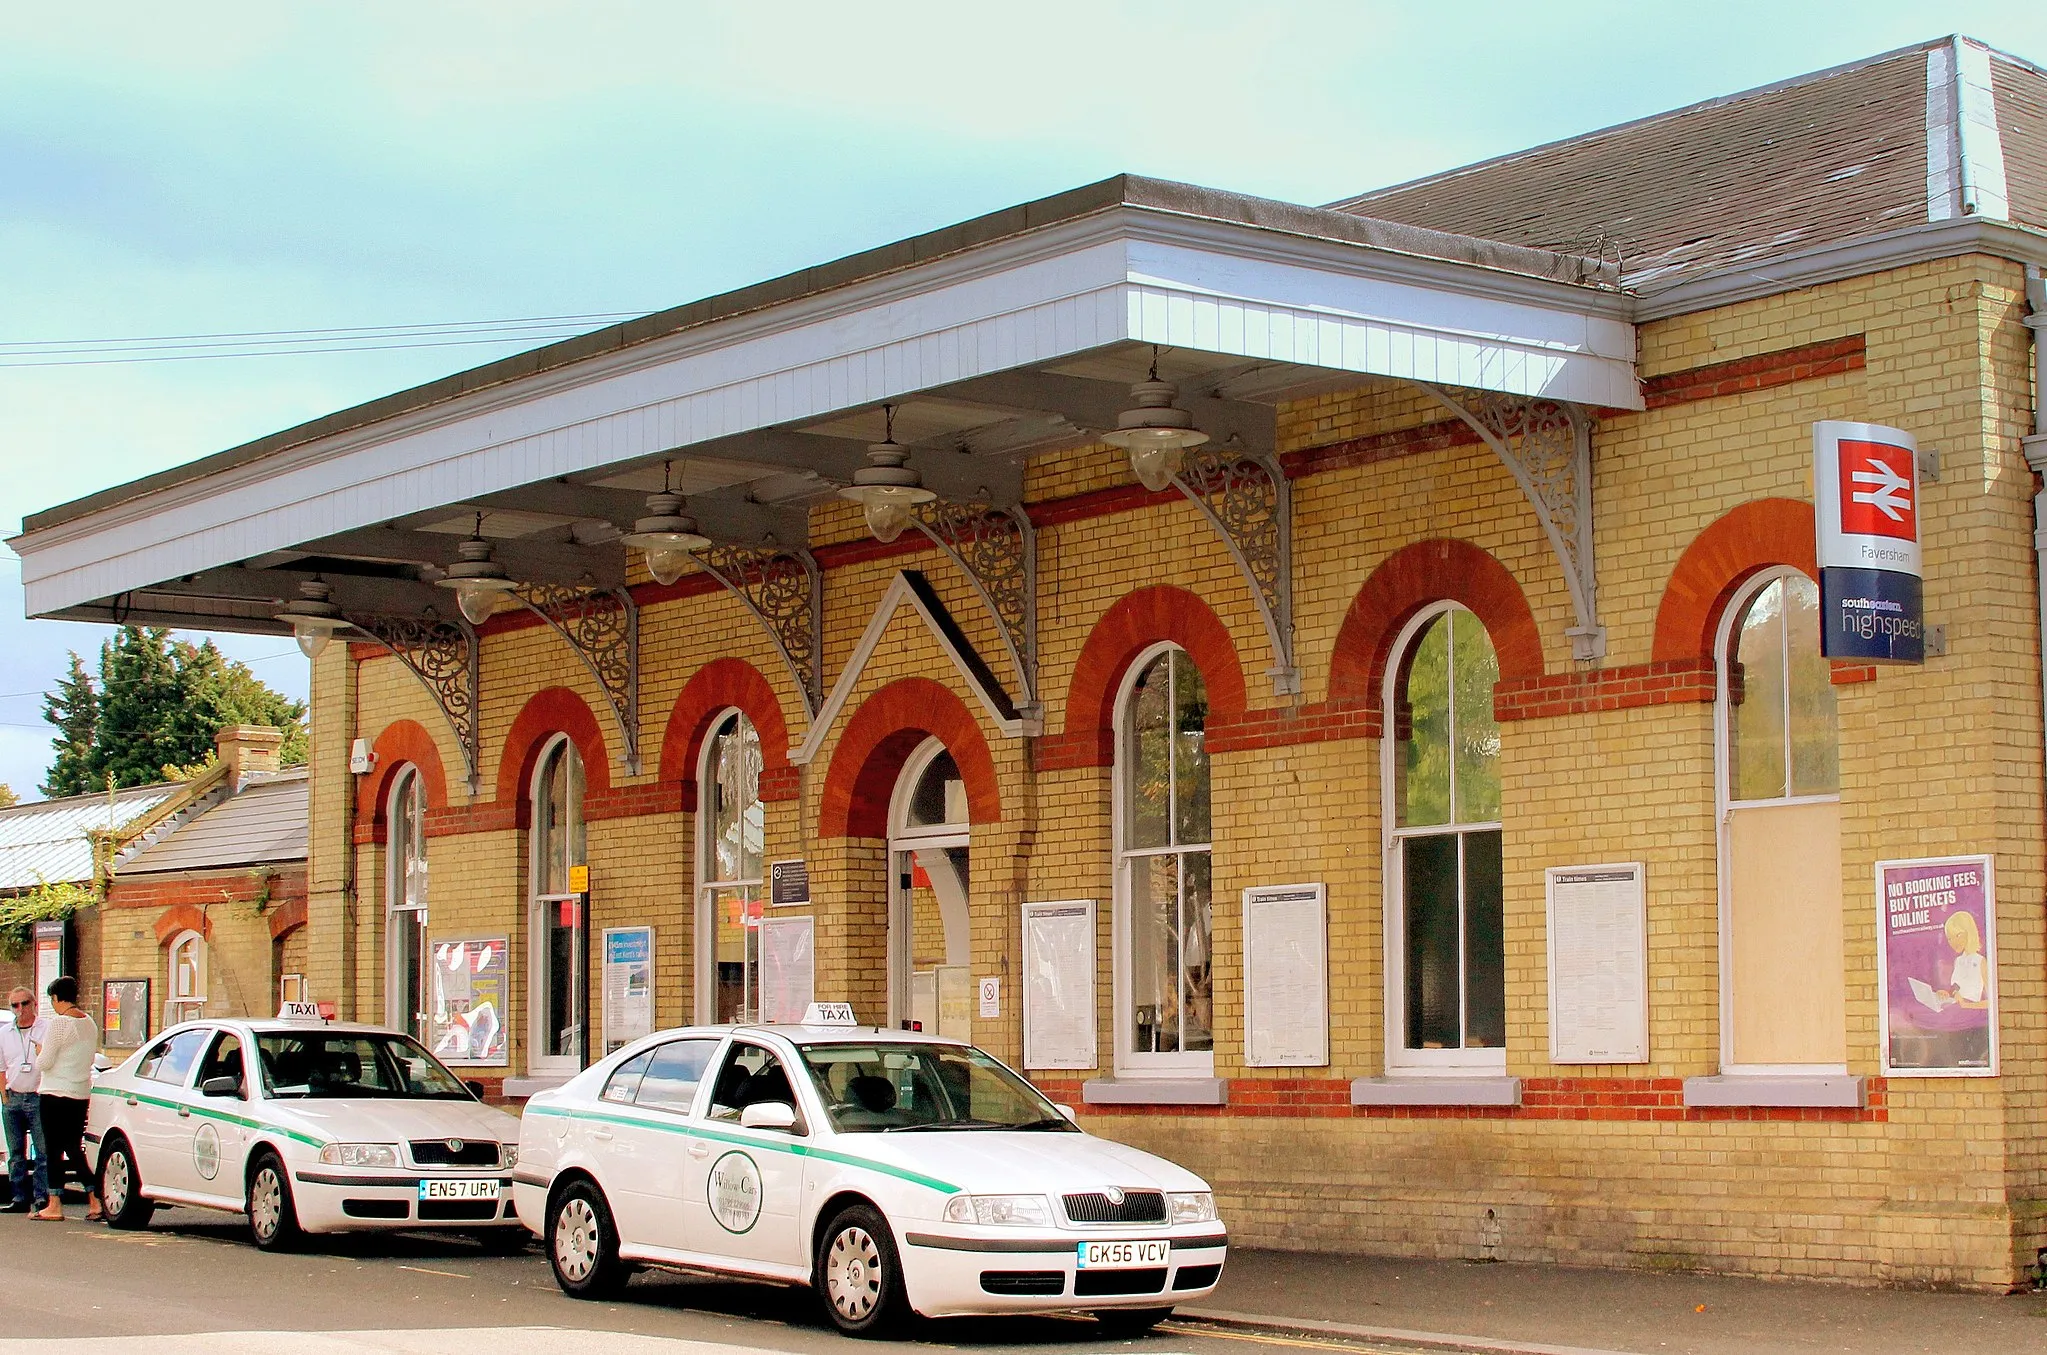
(699, 1149)
(604, 1135)
(131, 1101)
(184, 1112)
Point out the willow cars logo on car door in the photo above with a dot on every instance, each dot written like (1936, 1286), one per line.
(735, 1192)
(206, 1151)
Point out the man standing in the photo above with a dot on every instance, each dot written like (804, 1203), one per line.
(65, 1062)
(22, 1106)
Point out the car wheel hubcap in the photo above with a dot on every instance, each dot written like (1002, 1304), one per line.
(265, 1203)
(853, 1274)
(575, 1240)
(116, 1193)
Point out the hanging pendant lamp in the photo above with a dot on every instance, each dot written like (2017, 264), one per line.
(1156, 432)
(888, 488)
(478, 580)
(313, 616)
(667, 534)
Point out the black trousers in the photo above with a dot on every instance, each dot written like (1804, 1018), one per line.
(64, 1131)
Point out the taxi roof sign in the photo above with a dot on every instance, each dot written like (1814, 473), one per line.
(829, 1014)
(300, 1011)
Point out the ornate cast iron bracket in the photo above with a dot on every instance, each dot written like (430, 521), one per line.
(998, 550)
(603, 626)
(1547, 446)
(784, 591)
(1245, 496)
(442, 654)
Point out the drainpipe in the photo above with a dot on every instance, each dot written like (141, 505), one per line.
(2036, 450)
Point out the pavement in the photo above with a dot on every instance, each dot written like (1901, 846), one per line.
(1549, 1309)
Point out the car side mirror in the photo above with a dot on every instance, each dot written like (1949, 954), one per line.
(768, 1115)
(221, 1086)
(475, 1087)
(1072, 1115)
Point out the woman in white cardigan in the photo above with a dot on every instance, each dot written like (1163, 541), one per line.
(65, 1062)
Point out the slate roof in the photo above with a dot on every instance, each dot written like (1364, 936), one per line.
(1856, 151)
(45, 840)
(263, 823)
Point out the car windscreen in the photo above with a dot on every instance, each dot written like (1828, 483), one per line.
(887, 1087)
(337, 1065)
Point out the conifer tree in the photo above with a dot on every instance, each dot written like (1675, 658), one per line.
(74, 708)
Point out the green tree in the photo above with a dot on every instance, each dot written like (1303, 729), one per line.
(74, 708)
(158, 703)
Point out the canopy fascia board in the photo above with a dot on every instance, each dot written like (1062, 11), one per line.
(1124, 274)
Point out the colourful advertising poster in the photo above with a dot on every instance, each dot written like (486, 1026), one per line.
(468, 1016)
(1937, 947)
(628, 985)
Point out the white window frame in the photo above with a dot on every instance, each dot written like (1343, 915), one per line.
(398, 911)
(1723, 807)
(1399, 1058)
(706, 852)
(1128, 1062)
(902, 837)
(191, 1006)
(539, 1064)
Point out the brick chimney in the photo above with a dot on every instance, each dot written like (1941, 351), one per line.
(247, 749)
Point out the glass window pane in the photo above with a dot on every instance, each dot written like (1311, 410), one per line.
(550, 823)
(1197, 1012)
(1429, 880)
(1190, 752)
(737, 817)
(1154, 960)
(624, 1082)
(735, 959)
(1755, 696)
(1815, 734)
(1475, 670)
(671, 1079)
(1485, 945)
(940, 795)
(1147, 770)
(1421, 718)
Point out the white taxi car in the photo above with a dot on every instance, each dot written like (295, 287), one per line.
(305, 1126)
(892, 1172)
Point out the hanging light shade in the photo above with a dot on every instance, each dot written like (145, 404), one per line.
(313, 616)
(667, 535)
(888, 488)
(1155, 431)
(479, 580)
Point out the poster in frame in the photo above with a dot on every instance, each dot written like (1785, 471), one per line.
(1937, 966)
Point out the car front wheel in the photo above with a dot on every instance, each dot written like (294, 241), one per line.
(857, 1273)
(273, 1217)
(582, 1243)
(120, 1186)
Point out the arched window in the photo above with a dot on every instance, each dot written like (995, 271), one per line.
(930, 944)
(1445, 953)
(731, 826)
(1783, 985)
(558, 928)
(1165, 1017)
(406, 958)
(185, 993)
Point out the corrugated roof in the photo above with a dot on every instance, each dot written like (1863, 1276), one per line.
(45, 840)
(1822, 159)
(263, 822)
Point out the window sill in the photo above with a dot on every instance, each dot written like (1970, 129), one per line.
(1155, 1091)
(1822, 1090)
(1435, 1091)
(526, 1086)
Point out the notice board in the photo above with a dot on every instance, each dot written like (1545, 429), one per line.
(1059, 984)
(1286, 976)
(788, 968)
(628, 985)
(1598, 964)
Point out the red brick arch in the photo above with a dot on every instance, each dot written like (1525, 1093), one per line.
(1439, 570)
(182, 917)
(717, 687)
(879, 740)
(1744, 541)
(404, 743)
(549, 711)
(1137, 621)
(287, 918)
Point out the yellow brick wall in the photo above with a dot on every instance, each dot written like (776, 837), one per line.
(1943, 759)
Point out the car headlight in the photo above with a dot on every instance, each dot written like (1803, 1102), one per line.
(1019, 1211)
(1193, 1206)
(508, 1154)
(360, 1155)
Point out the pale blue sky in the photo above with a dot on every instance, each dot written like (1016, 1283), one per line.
(211, 167)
